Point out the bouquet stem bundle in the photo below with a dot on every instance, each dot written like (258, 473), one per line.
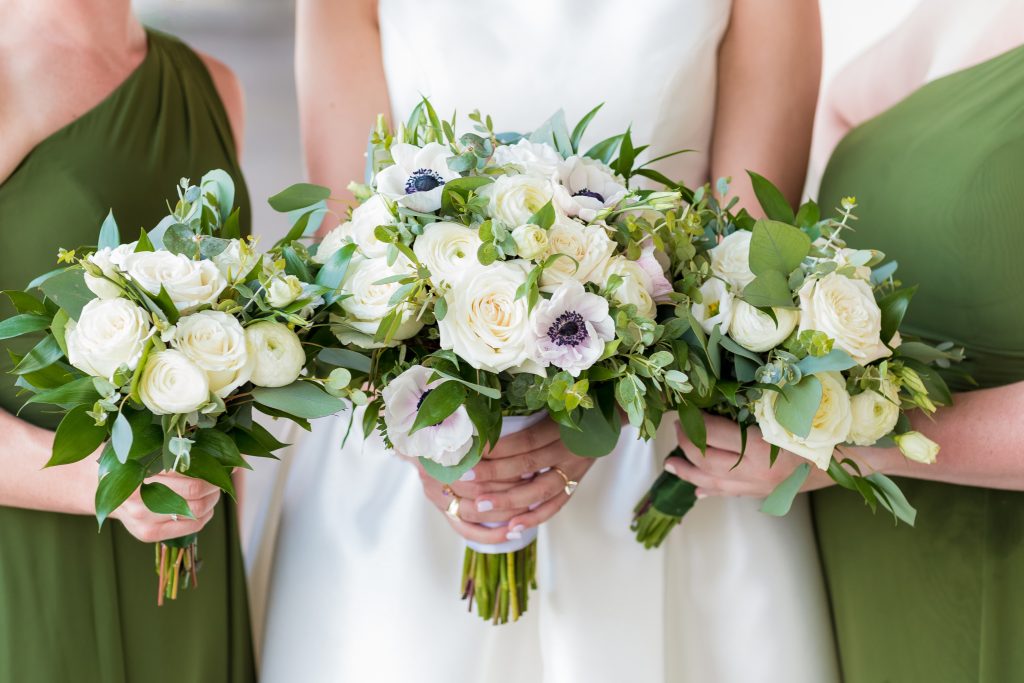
(499, 583)
(177, 565)
(663, 507)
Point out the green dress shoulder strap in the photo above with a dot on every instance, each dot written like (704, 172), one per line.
(78, 605)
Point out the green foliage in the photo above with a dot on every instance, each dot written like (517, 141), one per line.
(797, 405)
(109, 237)
(23, 324)
(302, 399)
(161, 500)
(774, 204)
(77, 436)
(298, 196)
(116, 486)
(781, 499)
(437, 404)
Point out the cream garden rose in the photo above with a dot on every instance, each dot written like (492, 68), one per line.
(275, 353)
(486, 325)
(875, 414)
(588, 246)
(535, 158)
(917, 447)
(215, 341)
(448, 250)
(636, 285)
(283, 290)
(368, 303)
(513, 199)
(109, 333)
(361, 230)
(189, 283)
(730, 259)
(829, 428)
(844, 309)
(756, 331)
(171, 384)
(531, 241)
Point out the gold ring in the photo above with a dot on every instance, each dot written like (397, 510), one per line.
(570, 485)
(453, 508)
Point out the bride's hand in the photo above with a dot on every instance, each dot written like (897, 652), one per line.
(517, 483)
(717, 474)
(150, 527)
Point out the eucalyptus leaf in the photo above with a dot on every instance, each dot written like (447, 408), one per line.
(836, 360)
(298, 196)
(345, 358)
(598, 433)
(68, 290)
(797, 405)
(301, 399)
(778, 247)
(121, 437)
(781, 499)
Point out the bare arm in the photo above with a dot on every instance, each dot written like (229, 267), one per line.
(768, 73)
(231, 96)
(341, 88)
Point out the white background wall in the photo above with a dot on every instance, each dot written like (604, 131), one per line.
(255, 38)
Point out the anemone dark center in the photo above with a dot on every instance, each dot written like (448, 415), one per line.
(423, 180)
(568, 329)
(589, 193)
(423, 396)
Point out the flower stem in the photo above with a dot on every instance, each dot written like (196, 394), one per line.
(662, 509)
(499, 584)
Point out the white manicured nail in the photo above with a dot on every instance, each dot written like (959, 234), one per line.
(701, 495)
(470, 475)
(533, 507)
(528, 475)
(671, 469)
(518, 528)
(484, 506)
(514, 535)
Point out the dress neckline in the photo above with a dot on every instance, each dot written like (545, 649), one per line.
(89, 113)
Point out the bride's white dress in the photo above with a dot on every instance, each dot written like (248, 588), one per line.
(365, 575)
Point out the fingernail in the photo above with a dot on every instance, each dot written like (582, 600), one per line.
(546, 469)
(533, 507)
(484, 506)
(470, 475)
(514, 535)
(701, 495)
(527, 475)
(670, 468)
(518, 528)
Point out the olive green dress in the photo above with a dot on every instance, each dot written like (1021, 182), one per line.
(939, 180)
(77, 605)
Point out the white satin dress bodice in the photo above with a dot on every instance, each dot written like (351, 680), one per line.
(364, 583)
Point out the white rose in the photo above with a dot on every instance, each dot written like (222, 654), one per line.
(283, 290)
(275, 353)
(531, 241)
(237, 260)
(368, 302)
(448, 250)
(109, 261)
(361, 230)
(589, 247)
(917, 447)
(332, 242)
(109, 333)
(215, 341)
(636, 285)
(171, 384)
(486, 325)
(716, 306)
(829, 428)
(417, 178)
(730, 259)
(586, 186)
(874, 414)
(513, 199)
(189, 283)
(756, 331)
(845, 310)
(537, 158)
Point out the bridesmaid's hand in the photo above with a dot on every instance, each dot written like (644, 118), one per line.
(717, 474)
(150, 527)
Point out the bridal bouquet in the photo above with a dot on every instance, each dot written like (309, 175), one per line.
(489, 278)
(162, 347)
(799, 334)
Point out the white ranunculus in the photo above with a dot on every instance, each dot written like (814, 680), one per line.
(730, 259)
(368, 302)
(445, 443)
(571, 328)
(756, 331)
(917, 447)
(513, 199)
(716, 307)
(332, 242)
(417, 177)
(588, 246)
(448, 250)
(110, 262)
(237, 260)
(172, 384)
(215, 341)
(874, 414)
(275, 353)
(283, 290)
(109, 333)
(486, 325)
(189, 283)
(536, 158)
(361, 230)
(102, 287)
(531, 241)
(844, 309)
(586, 186)
(830, 427)
(636, 285)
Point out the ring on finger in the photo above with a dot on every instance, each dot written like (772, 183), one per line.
(453, 507)
(570, 484)
(174, 518)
